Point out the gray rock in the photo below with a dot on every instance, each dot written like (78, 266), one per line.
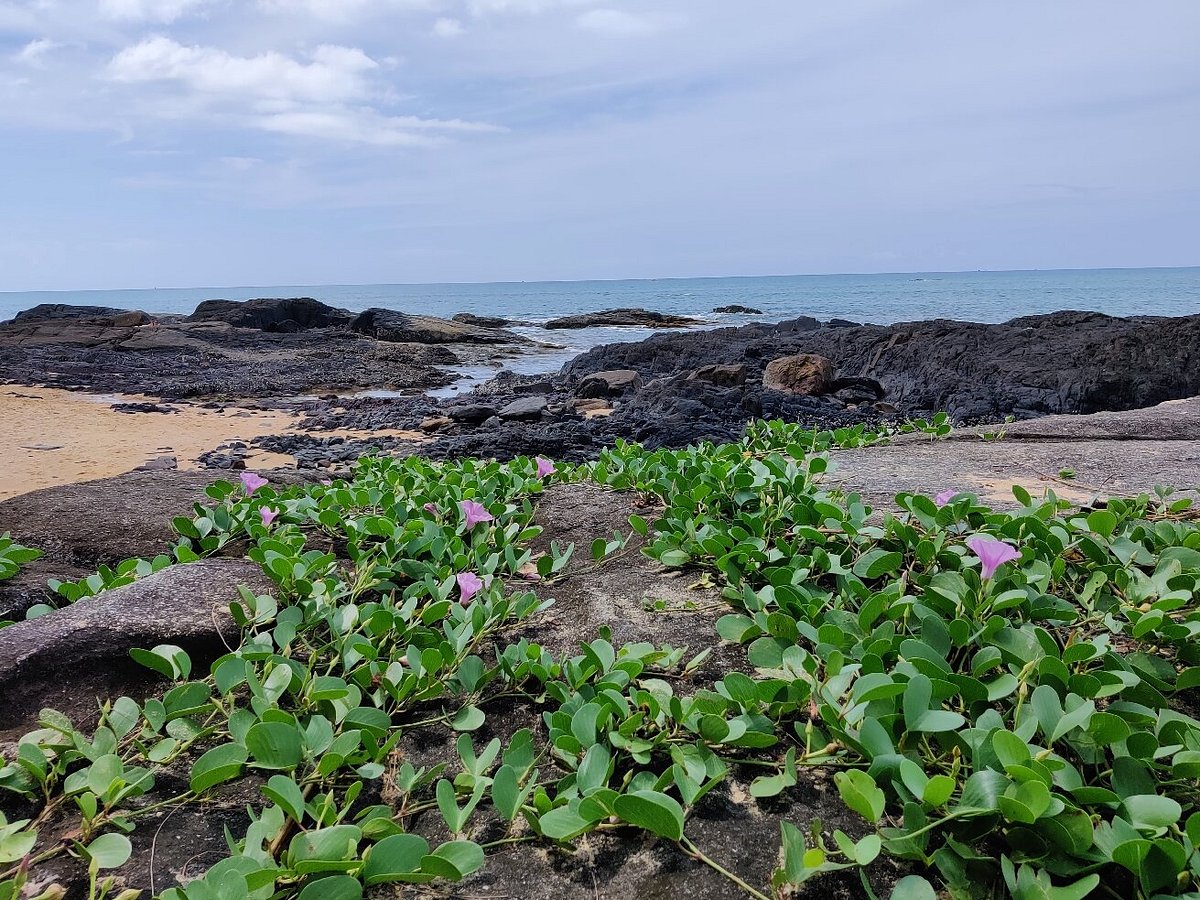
(79, 650)
(611, 383)
(471, 413)
(524, 409)
(721, 375)
(739, 310)
(394, 326)
(631, 318)
(286, 315)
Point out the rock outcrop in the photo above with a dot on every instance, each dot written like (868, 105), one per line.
(391, 325)
(806, 374)
(625, 318)
(287, 315)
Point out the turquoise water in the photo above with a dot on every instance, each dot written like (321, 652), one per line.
(975, 296)
(979, 296)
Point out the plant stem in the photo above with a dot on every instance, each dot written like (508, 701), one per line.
(695, 852)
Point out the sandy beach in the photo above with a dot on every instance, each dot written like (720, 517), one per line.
(50, 436)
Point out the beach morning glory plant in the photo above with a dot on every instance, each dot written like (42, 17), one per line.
(469, 584)
(545, 467)
(474, 513)
(992, 553)
(944, 497)
(252, 482)
(268, 516)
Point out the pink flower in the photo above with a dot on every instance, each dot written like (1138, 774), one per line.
(252, 482)
(544, 467)
(992, 553)
(431, 509)
(945, 497)
(268, 516)
(469, 584)
(474, 513)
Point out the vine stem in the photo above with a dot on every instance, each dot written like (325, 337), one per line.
(696, 853)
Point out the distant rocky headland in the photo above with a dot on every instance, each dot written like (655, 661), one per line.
(669, 389)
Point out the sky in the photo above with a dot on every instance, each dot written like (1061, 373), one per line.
(155, 143)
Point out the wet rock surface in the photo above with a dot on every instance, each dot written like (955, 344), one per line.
(257, 348)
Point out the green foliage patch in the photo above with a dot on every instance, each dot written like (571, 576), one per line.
(1017, 728)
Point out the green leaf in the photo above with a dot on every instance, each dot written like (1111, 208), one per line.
(675, 558)
(1151, 811)
(454, 860)
(877, 563)
(652, 810)
(469, 718)
(109, 851)
(563, 824)
(333, 887)
(861, 794)
(395, 858)
(287, 794)
(913, 887)
(275, 745)
(218, 765)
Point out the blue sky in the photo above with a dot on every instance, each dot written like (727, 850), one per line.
(225, 142)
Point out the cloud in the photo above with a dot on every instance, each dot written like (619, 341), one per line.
(333, 73)
(329, 96)
(617, 22)
(31, 54)
(149, 10)
(447, 28)
(366, 126)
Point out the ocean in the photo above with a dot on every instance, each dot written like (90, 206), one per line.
(883, 299)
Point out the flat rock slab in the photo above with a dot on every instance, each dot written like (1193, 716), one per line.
(1109, 454)
(80, 652)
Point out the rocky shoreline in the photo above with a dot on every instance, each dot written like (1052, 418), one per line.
(317, 362)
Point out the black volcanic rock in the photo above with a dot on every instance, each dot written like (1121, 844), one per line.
(392, 325)
(631, 318)
(739, 310)
(1067, 362)
(287, 315)
(44, 311)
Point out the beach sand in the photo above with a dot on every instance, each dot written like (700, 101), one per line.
(50, 436)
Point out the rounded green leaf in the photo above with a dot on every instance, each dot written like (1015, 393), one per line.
(110, 851)
(652, 810)
(218, 765)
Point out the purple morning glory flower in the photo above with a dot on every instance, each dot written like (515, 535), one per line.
(469, 584)
(268, 516)
(992, 553)
(252, 482)
(544, 467)
(945, 497)
(474, 513)
(431, 509)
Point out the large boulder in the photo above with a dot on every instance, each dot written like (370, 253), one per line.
(613, 383)
(58, 311)
(627, 318)
(68, 656)
(287, 315)
(805, 374)
(394, 326)
(738, 309)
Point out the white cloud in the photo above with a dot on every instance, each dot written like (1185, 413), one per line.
(31, 54)
(148, 10)
(366, 126)
(617, 22)
(447, 28)
(330, 96)
(333, 73)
